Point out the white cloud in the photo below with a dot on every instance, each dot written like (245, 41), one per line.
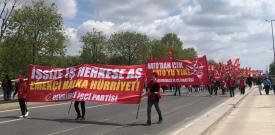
(221, 29)
(74, 45)
(68, 8)
(134, 10)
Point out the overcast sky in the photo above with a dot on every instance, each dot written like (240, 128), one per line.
(220, 29)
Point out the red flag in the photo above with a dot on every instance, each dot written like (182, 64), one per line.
(171, 53)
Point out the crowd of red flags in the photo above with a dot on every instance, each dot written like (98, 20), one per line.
(231, 68)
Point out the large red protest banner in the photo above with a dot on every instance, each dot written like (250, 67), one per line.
(179, 72)
(93, 83)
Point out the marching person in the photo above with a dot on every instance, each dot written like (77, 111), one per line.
(249, 81)
(231, 86)
(21, 91)
(259, 83)
(154, 96)
(267, 84)
(7, 88)
(272, 80)
(177, 89)
(223, 87)
(80, 116)
(242, 85)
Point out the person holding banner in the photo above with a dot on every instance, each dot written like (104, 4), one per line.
(154, 96)
(21, 89)
(83, 110)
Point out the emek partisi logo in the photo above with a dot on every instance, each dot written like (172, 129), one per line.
(196, 68)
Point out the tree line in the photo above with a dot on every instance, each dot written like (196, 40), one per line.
(34, 34)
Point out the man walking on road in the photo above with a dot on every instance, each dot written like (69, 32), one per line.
(22, 95)
(177, 89)
(153, 98)
(83, 110)
(273, 83)
(242, 85)
(231, 84)
(7, 88)
(267, 84)
(259, 83)
(249, 81)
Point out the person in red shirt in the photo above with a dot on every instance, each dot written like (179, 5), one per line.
(21, 90)
(154, 96)
(231, 84)
(242, 85)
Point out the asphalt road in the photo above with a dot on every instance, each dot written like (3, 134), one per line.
(109, 119)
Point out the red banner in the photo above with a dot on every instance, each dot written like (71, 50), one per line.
(93, 83)
(179, 72)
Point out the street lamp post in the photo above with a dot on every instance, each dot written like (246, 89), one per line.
(272, 37)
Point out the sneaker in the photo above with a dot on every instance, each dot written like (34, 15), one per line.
(148, 123)
(160, 120)
(82, 118)
(27, 114)
(78, 117)
(22, 116)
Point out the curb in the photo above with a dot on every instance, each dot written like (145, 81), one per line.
(234, 105)
(205, 124)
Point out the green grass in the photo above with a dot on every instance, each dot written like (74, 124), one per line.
(10, 101)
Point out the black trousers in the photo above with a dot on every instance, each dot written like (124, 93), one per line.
(149, 107)
(266, 87)
(223, 91)
(242, 90)
(215, 88)
(210, 90)
(273, 87)
(177, 90)
(23, 106)
(76, 107)
(231, 91)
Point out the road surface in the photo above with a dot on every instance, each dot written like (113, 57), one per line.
(109, 119)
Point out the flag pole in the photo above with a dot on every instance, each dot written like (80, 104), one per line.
(69, 109)
(139, 103)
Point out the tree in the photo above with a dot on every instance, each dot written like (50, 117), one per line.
(211, 61)
(5, 14)
(94, 47)
(171, 40)
(129, 45)
(158, 50)
(189, 53)
(272, 68)
(35, 35)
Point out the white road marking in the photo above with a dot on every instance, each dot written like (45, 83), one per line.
(69, 129)
(97, 106)
(42, 106)
(9, 121)
(52, 105)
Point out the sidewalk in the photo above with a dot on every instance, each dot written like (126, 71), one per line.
(254, 116)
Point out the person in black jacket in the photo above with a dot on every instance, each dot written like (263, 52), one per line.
(7, 88)
(259, 83)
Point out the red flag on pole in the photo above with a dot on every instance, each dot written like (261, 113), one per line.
(171, 53)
